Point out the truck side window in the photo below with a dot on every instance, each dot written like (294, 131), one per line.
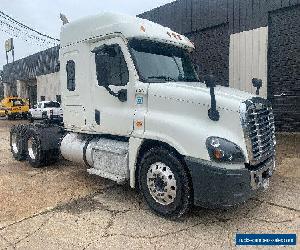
(111, 67)
(70, 75)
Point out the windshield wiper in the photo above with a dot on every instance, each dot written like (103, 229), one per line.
(166, 78)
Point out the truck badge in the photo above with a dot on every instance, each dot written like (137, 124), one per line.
(139, 100)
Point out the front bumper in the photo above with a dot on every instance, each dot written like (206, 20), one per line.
(17, 114)
(216, 187)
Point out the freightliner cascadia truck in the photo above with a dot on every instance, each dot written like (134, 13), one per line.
(135, 112)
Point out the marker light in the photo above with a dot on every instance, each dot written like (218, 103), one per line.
(143, 28)
(218, 153)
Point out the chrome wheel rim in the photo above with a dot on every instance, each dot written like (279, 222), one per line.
(32, 150)
(14, 143)
(161, 183)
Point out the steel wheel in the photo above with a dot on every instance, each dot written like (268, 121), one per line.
(164, 183)
(161, 183)
(14, 144)
(17, 145)
(32, 148)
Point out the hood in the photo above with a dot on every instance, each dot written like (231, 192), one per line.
(221, 91)
(197, 92)
(180, 111)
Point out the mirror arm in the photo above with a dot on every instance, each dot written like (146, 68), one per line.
(121, 95)
(110, 91)
(213, 113)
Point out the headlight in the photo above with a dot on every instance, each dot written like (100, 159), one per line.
(222, 150)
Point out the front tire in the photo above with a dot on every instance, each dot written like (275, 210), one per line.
(164, 183)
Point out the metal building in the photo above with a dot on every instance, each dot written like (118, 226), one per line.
(238, 40)
(35, 77)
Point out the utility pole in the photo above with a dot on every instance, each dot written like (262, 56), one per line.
(9, 46)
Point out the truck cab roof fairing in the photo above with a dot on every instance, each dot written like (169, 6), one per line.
(111, 23)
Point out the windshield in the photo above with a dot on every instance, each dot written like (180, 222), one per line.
(17, 102)
(51, 105)
(159, 62)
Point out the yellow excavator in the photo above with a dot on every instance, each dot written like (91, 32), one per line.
(14, 107)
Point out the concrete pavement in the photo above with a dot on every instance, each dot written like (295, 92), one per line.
(62, 207)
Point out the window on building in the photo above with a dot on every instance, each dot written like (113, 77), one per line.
(111, 67)
(43, 98)
(58, 98)
(51, 105)
(70, 68)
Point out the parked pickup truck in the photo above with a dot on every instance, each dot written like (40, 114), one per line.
(46, 110)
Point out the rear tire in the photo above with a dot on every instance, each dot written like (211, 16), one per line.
(164, 183)
(17, 144)
(25, 116)
(30, 118)
(36, 156)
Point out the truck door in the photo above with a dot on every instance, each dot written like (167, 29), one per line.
(113, 77)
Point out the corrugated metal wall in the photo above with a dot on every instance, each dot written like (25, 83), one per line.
(212, 52)
(284, 67)
(42, 63)
(254, 50)
(248, 59)
(185, 16)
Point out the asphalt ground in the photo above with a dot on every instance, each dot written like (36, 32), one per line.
(62, 207)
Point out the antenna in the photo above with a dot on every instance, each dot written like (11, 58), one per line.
(64, 18)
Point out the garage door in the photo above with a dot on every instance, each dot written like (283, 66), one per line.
(284, 67)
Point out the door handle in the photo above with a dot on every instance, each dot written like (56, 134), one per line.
(282, 94)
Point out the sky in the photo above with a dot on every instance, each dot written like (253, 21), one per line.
(43, 15)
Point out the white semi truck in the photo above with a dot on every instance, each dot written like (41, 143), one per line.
(135, 111)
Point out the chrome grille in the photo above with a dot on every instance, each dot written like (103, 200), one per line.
(259, 129)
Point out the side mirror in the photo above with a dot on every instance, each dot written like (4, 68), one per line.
(122, 95)
(213, 113)
(210, 81)
(257, 83)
